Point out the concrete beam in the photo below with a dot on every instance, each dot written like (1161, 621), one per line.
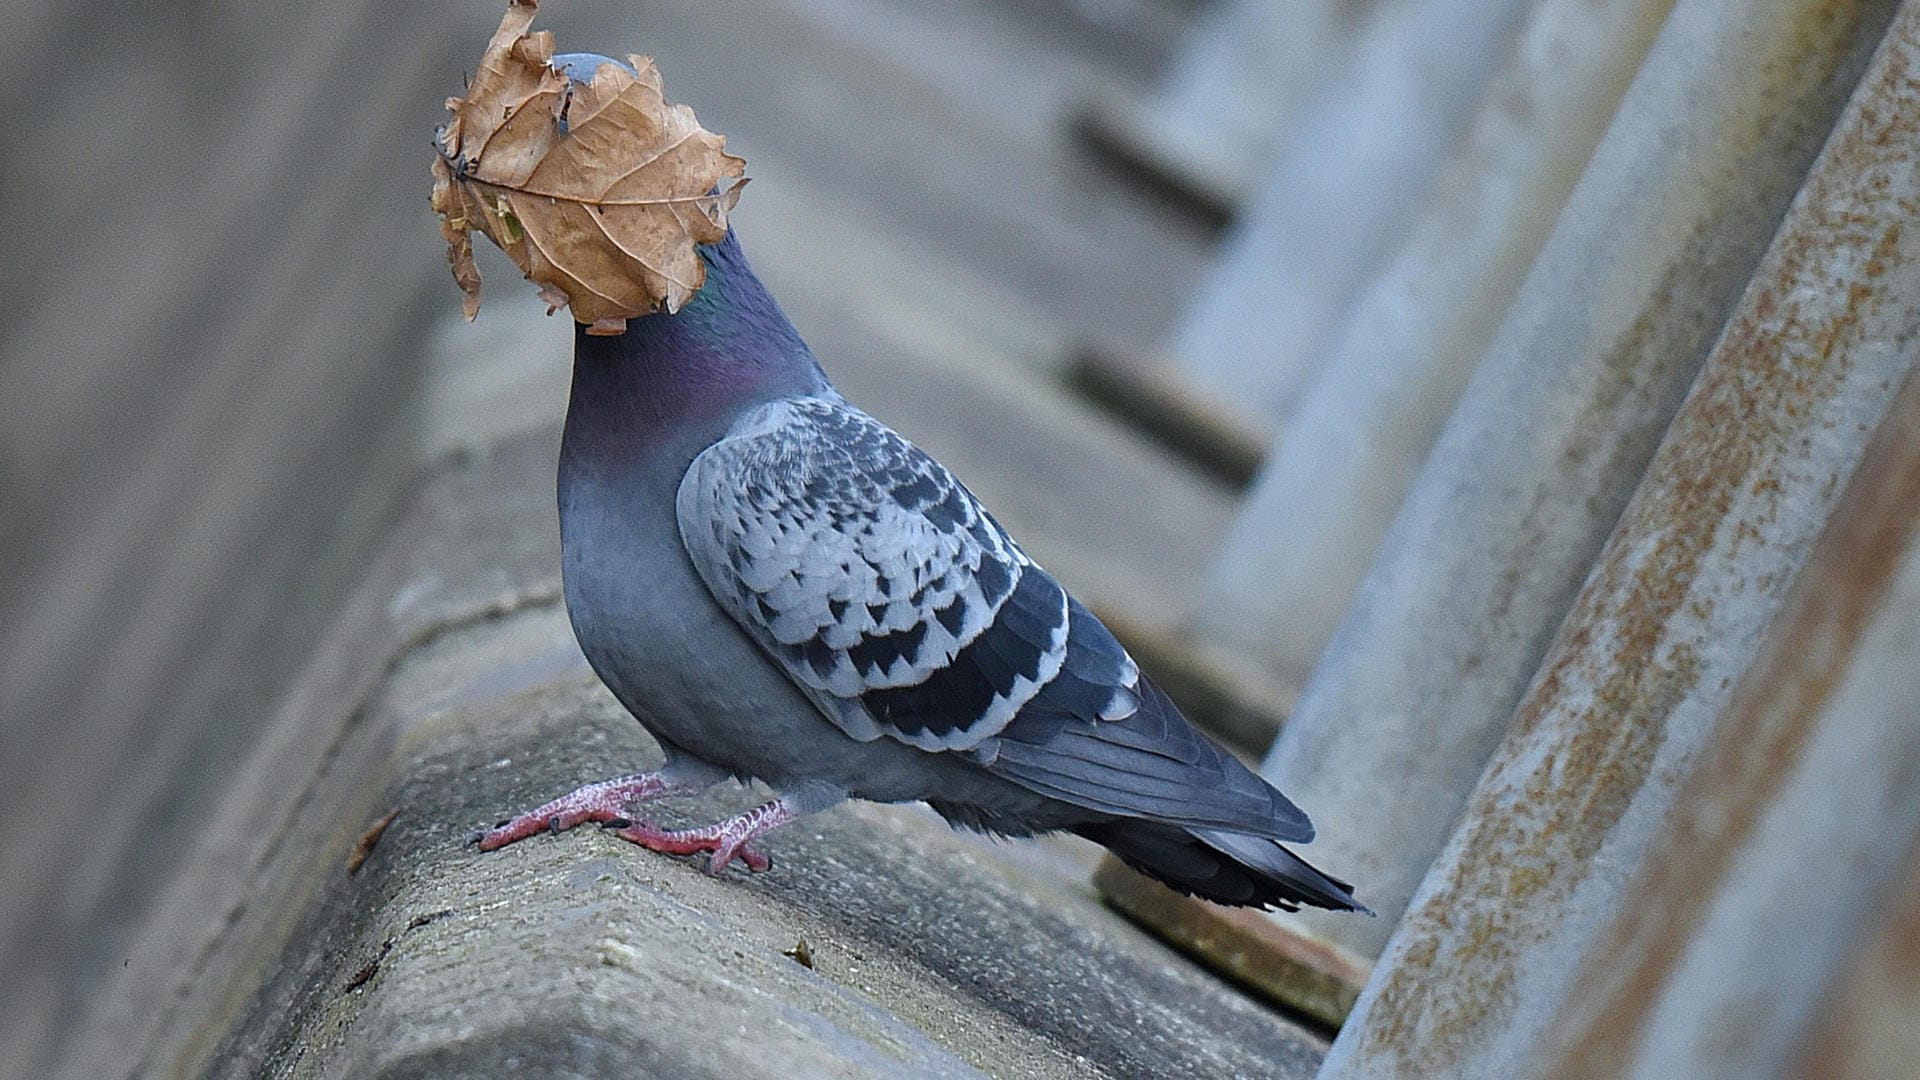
(1350, 449)
(1674, 612)
(1554, 432)
(1788, 840)
(1359, 160)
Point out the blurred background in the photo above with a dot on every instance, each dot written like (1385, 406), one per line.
(1231, 311)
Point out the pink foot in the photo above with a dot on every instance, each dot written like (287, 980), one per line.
(729, 840)
(604, 801)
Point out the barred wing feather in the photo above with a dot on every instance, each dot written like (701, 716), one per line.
(871, 575)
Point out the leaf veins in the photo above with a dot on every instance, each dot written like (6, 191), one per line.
(600, 190)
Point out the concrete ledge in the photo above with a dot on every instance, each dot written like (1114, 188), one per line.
(1118, 133)
(1283, 964)
(1160, 406)
(449, 695)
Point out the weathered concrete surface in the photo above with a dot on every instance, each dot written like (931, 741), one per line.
(1209, 129)
(1671, 617)
(451, 692)
(206, 366)
(1358, 160)
(1866, 1030)
(424, 578)
(1555, 430)
(1723, 958)
(1158, 402)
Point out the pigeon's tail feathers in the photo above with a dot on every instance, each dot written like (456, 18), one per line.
(1172, 803)
(1268, 859)
(1225, 867)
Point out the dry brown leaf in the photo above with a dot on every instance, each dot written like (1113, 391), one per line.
(600, 192)
(365, 845)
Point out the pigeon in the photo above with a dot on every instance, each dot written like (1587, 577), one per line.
(781, 588)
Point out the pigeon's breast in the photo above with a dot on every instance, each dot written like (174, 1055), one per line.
(684, 668)
(652, 631)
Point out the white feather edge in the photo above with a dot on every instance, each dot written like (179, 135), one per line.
(698, 500)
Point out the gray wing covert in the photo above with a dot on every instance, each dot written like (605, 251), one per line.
(871, 575)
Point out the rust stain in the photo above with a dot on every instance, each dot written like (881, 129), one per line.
(1765, 728)
(1624, 660)
(1670, 337)
(1757, 744)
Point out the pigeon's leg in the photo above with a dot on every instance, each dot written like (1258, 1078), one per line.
(729, 840)
(605, 801)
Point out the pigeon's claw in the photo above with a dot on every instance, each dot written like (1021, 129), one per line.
(687, 841)
(726, 841)
(604, 801)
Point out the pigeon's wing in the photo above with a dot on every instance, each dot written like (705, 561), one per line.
(1101, 735)
(871, 575)
(903, 610)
